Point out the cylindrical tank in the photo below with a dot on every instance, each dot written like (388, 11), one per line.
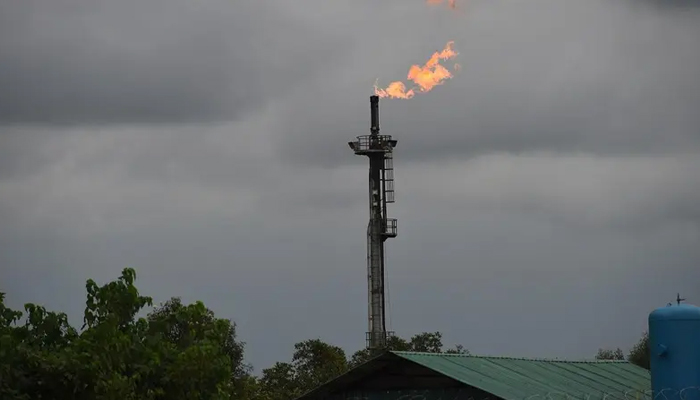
(674, 344)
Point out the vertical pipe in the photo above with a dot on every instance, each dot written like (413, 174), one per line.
(374, 110)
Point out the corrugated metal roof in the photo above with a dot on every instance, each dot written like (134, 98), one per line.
(520, 378)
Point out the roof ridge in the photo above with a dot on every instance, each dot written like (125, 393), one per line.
(583, 361)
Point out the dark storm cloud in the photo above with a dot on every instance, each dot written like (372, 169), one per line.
(78, 62)
(622, 194)
(86, 180)
(601, 77)
(560, 163)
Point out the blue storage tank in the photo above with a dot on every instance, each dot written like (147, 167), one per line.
(674, 343)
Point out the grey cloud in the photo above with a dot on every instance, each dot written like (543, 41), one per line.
(23, 152)
(127, 178)
(668, 6)
(94, 62)
(505, 223)
(627, 195)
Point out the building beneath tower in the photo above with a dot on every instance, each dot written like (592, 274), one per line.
(435, 376)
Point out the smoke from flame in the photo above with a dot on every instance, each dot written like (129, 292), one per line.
(451, 3)
(425, 77)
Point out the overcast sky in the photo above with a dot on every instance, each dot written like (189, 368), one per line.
(547, 196)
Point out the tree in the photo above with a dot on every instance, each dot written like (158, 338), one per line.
(640, 354)
(426, 342)
(607, 354)
(178, 352)
(25, 350)
(459, 349)
(314, 362)
(279, 382)
(183, 326)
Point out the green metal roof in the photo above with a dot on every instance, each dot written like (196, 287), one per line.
(520, 378)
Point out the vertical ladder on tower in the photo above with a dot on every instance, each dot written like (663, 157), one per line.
(389, 176)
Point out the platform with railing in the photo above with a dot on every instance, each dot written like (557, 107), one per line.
(366, 144)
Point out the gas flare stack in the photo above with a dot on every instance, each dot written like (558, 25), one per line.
(379, 149)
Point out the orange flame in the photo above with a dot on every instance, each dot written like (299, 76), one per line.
(451, 3)
(425, 77)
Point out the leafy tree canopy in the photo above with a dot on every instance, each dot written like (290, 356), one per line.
(640, 354)
(178, 352)
(607, 354)
(426, 342)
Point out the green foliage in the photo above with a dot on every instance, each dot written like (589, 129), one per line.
(199, 345)
(458, 349)
(178, 352)
(114, 304)
(640, 354)
(426, 342)
(280, 382)
(314, 362)
(607, 354)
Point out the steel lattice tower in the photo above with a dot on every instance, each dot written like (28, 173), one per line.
(379, 149)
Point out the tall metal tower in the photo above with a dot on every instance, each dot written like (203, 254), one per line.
(379, 149)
